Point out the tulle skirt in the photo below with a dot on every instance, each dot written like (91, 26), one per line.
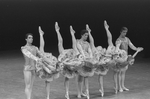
(69, 71)
(120, 65)
(102, 69)
(43, 71)
(86, 69)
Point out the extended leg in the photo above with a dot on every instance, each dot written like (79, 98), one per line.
(42, 43)
(60, 40)
(74, 46)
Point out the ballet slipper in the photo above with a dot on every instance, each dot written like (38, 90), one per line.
(67, 96)
(102, 92)
(125, 89)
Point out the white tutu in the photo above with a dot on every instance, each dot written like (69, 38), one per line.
(70, 60)
(46, 69)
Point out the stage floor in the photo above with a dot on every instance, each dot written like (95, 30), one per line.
(12, 82)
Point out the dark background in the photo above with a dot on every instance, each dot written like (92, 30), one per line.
(18, 17)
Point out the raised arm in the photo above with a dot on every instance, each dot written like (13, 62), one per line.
(90, 37)
(42, 43)
(60, 40)
(74, 41)
(109, 36)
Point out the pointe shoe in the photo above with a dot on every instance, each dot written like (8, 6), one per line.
(88, 97)
(120, 90)
(102, 93)
(83, 94)
(125, 89)
(67, 96)
(79, 96)
(47, 98)
(116, 90)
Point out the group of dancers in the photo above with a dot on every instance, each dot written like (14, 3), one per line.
(82, 61)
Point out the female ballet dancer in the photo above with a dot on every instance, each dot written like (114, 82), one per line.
(68, 58)
(122, 58)
(103, 57)
(123, 66)
(86, 70)
(46, 69)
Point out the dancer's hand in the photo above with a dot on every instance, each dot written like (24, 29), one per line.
(57, 28)
(87, 28)
(40, 31)
(139, 49)
(71, 30)
(106, 25)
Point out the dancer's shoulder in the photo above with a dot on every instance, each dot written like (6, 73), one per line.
(29, 47)
(24, 47)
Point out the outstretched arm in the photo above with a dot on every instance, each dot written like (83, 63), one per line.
(90, 37)
(109, 36)
(42, 43)
(60, 40)
(74, 42)
(133, 47)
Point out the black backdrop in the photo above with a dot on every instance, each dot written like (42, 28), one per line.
(18, 17)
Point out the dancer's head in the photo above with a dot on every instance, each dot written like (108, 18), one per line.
(84, 34)
(29, 38)
(123, 31)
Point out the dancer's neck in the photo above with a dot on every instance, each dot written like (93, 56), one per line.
(29, 44)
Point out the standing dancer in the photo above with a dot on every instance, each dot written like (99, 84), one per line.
(123, 60)
(102, 56)
(30, 53)
(67, 57)
(110, 43)
(85, 50)
(98, 56)
(47, 68)
(124, 43)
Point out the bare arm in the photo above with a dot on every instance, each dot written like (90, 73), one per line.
(90, 37)
(29, 54)
(109, 36)
(131, 45)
